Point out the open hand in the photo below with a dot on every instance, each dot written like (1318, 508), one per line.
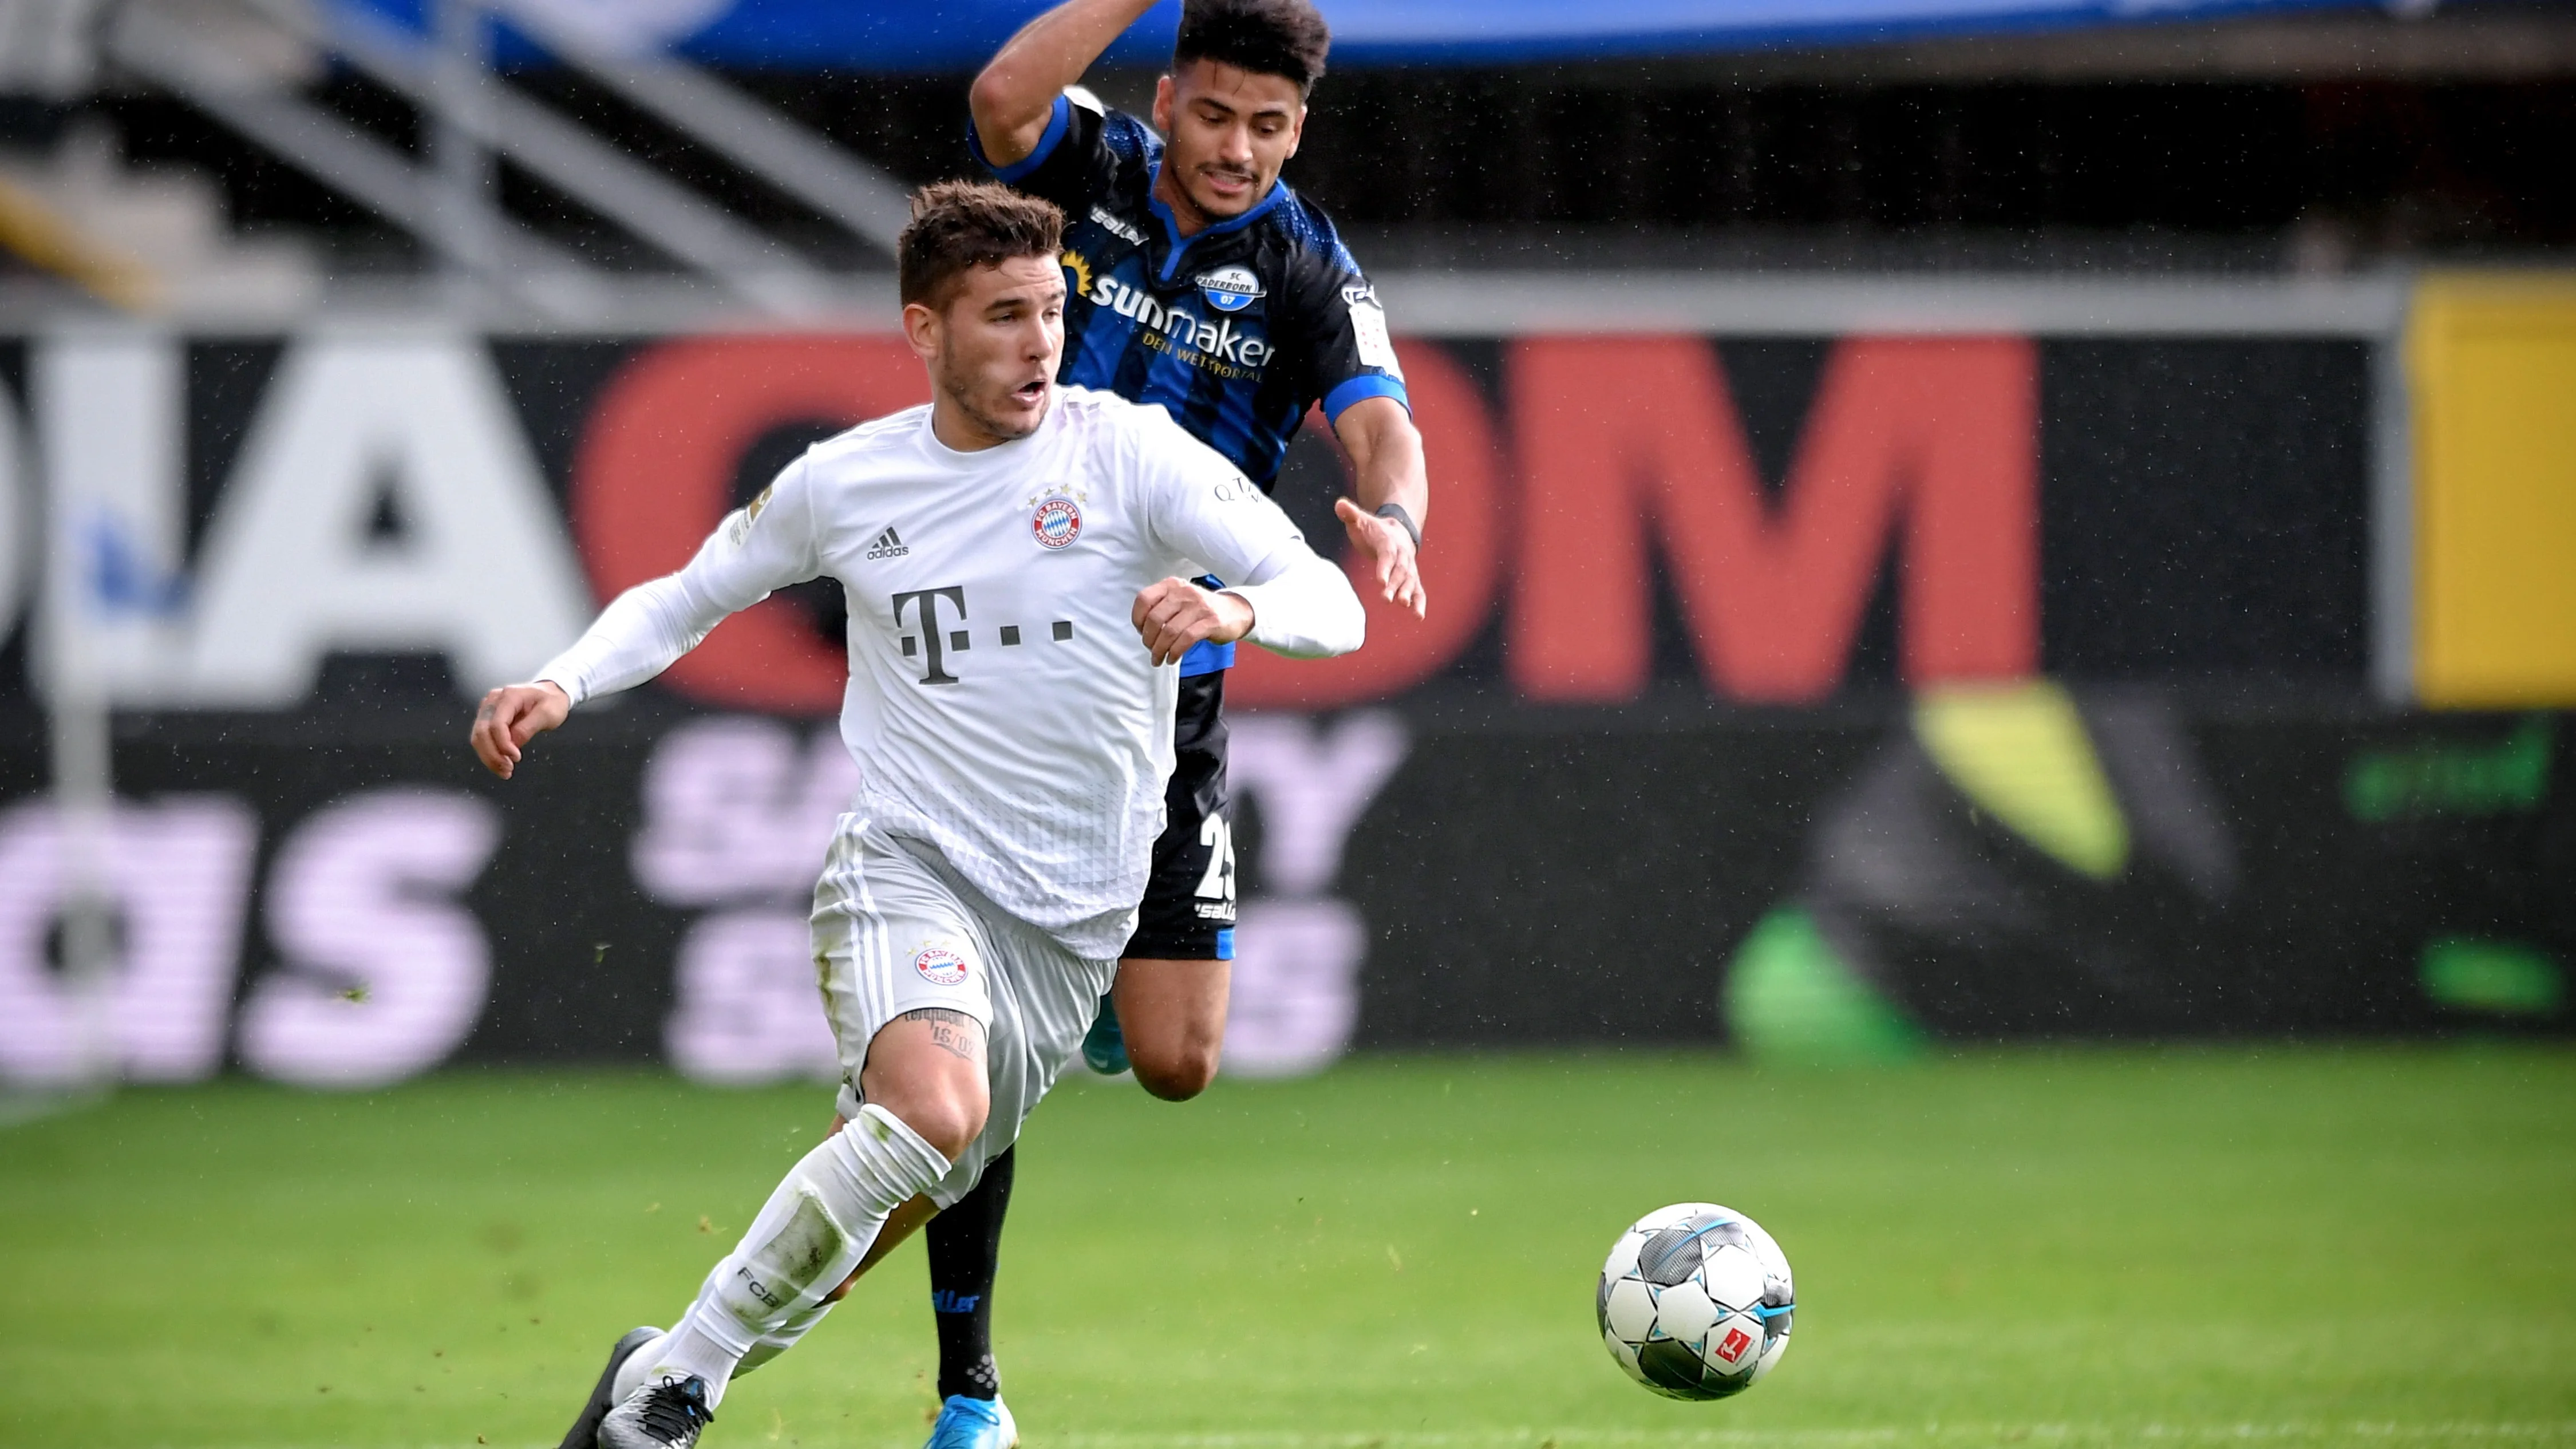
(1174, 614)
(1389, 549)
(513, 715)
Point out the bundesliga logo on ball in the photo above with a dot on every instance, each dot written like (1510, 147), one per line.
(1696, 1301)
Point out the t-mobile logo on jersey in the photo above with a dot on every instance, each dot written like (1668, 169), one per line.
(935, 645)
(927, 603)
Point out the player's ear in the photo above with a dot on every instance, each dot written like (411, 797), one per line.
(1164, 97)
(925, 329)
(1296, 131)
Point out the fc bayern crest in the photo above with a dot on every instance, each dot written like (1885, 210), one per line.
(1057, 523)
(940, 966)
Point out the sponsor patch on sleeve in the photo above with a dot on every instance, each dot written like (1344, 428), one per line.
(1368, 330)
(750, 514)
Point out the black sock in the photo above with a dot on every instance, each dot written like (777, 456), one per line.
(965, 1245)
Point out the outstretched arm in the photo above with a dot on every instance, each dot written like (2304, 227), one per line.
(1386, 453)
(1015, 95)
(636, 637)
(767, 545)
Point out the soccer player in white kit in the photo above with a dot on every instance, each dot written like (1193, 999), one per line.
(1016, 558)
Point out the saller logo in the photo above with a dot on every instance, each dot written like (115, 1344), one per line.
(1117, 228)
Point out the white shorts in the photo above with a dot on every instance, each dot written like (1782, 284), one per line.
(896, 930)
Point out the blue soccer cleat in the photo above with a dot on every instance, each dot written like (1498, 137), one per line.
(966, 1423)
(1104, 1047)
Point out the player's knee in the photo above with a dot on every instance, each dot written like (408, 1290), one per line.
(949, 1122)
(946, 1114)
(1177, 1072)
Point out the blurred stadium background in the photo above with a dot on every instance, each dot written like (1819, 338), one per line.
(2004, 601)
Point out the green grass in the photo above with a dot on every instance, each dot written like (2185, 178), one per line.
(2282, 1247)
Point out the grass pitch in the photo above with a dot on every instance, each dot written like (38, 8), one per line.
(2286, 1247)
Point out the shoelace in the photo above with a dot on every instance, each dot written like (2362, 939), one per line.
(675, 1412)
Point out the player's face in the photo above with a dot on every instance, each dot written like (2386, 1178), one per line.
(1229, 131)
(992, 350)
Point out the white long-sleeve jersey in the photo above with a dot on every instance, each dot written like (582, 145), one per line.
(1001, 707)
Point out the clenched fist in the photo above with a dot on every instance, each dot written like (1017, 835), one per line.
(1174, 614)
(513, 715)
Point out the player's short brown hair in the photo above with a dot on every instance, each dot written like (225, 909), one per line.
(1267, 37)
(958, 226)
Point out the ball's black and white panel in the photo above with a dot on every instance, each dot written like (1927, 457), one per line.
(1674, 1369)
(1685, 1313)
(1733, 1277)
(1628, 1310)
(1622, 1261)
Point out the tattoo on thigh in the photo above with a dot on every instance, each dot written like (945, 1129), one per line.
(953, 1032)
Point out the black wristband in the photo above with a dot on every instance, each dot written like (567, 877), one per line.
(1396, 512)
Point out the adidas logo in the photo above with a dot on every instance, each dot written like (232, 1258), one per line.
(888, 545)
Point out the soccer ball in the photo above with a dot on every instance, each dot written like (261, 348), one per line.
(1696, 1301)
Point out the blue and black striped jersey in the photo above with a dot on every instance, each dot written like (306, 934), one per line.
(1236, 331)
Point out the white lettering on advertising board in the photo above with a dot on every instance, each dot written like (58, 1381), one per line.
(737, 814)
(385, 971)
(178, 877)
(352, 431)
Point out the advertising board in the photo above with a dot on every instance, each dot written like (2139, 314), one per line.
(1776, 689)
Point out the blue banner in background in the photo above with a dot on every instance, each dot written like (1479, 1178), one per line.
(957, 35)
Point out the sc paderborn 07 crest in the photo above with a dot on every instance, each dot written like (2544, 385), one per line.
(1057, 523)
(1229, 289)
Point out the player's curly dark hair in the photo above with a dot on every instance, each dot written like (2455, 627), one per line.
(1267, 37)
(958, 226)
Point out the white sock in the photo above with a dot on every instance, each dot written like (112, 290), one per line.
(654, 1351)
(818, 1224)
(781, 1338)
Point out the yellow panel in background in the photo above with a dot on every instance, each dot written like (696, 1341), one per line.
(2493, 375)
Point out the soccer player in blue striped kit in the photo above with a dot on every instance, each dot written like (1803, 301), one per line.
(1197, 279)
